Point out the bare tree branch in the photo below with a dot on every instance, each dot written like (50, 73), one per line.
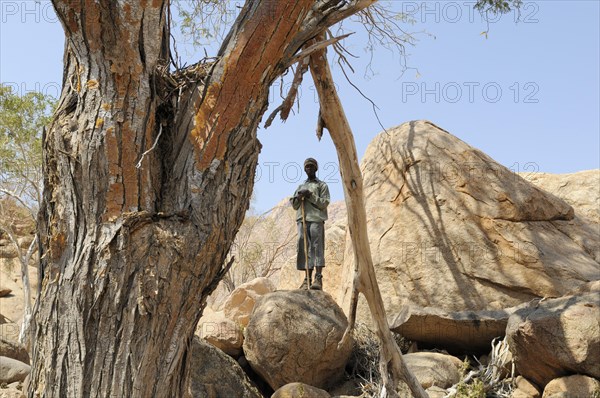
(392, 366)
(315, 47)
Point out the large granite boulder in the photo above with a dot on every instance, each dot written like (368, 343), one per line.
(556, 337)
(580, 190)
(457, 331)
(293, 336)
(451, 230)
(215, 374)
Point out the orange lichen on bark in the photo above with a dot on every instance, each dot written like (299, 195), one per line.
(203, 121)
(114, 195)
(129, 151)
(58, 241)
(91, 84)
(93, 24)
(114, 202)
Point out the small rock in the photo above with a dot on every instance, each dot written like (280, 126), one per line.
(525, 389)
(4, 291)
(436, 392)
(221, 332)
(574, 386)
(11, 393)
(15, 385)
(300, 390)
(12, 370)
(215, 374)
(434, 369)
(14, 350)
(240, 303)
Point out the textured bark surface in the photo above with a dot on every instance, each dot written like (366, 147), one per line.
(130, 253)
(392, 366)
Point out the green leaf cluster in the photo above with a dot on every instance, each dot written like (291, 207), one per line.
(475, 389)
(22, 119)
(204, 21)
(497, 6)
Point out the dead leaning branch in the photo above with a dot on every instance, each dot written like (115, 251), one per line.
(302, 59)
(332, 116)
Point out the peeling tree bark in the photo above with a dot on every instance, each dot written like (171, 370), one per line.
(128, 254)
(334, 119)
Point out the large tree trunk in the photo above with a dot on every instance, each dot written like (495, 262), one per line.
(392, 366)
(129, 254)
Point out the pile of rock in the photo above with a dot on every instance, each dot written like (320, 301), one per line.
(14, 359)
(289, 347)
(14, 367)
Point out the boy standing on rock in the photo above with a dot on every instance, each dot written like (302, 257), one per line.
(313, 195)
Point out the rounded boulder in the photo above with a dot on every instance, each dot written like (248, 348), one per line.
(293, 336)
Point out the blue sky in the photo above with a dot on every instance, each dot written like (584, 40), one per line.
(528, 95)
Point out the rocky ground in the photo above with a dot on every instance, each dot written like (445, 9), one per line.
(14, 358)
(490, 280)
